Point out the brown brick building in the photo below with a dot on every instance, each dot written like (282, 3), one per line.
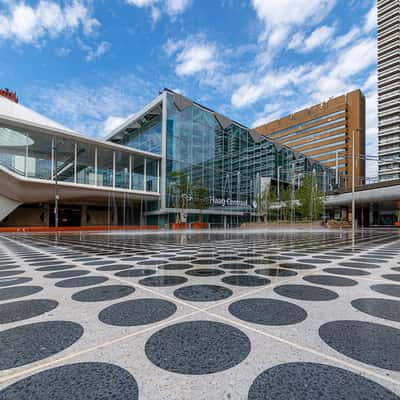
(325, 132)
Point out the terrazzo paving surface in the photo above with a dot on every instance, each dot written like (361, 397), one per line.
(227, 316)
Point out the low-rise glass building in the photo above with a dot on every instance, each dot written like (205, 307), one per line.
(174, 160)
(201, 148)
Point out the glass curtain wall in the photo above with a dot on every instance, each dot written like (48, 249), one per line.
(122, 165)
(39, 155)
(228, 162)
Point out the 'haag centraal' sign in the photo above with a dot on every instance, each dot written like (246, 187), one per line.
(214, 201)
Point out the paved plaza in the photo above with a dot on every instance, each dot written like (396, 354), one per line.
(224, 315)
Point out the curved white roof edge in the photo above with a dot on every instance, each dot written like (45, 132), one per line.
(17, 111)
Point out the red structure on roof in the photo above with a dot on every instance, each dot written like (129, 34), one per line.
(9, 95)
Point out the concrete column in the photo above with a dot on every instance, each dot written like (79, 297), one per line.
(83, 215)
(46, 220)
(115, 214)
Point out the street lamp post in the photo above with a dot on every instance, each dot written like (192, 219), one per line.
(56, 196)
(353, 184)
(279, 192)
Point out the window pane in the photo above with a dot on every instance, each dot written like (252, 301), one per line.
(138, 173)
(121, 170)
(85, 164)
(12, 149)
(151, 175)
(39, 156)
(65, 156)
(104, 167)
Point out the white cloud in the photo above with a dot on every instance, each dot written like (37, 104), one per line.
(319, 37)
(346, 39)
(273, 82)
(87, 109)
(195, 59)
(97, 52)
(371, 19)
(193, 55)
(281, 16)
(175, 7)
(25, 24)
(142, 3)
(356, 58)
(157, 7)
(112, 123)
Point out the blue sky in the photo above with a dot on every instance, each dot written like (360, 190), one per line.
(89, 64)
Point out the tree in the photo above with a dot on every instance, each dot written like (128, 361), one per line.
(265, 200)
(285, 200)
(180, 190)
(201, 198)
(309, 200)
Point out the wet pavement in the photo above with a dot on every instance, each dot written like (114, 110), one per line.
(225, 315)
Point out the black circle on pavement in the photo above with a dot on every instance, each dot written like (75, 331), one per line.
(152, 262)
(103, 262)
(275, 272)
(24, 309)
(258, 261)
(28, 343)
(205, 272)
(329, 280)
(267, 312)
(197, 347)
(380, 308)
(163, 280)
(365, 259)
(103, 293)
(397, 269)
(392, 277)
(115, 267)
(11, 293)
(46, 263)
(55, 268)
(207, 261)
(299, 266)
(81, 381)
(346, 271)
(245, 280)
(137, 312)
(369, 343)
(67, 274)
(306, 292)
(177, 267)
(387, 289)
(311, 381)
(315, 261)
(203, 293)
(80, 282)
(135, 273)
(358, 265)
(182, 258)
(8, 266)
(234, 266)
(13, 281)
(10, 273)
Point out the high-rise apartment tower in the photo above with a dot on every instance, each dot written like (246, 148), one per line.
(389, 88)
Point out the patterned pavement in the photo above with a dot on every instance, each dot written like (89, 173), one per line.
(223, 315)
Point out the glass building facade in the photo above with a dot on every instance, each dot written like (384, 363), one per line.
(206, 149)
(40, 155)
